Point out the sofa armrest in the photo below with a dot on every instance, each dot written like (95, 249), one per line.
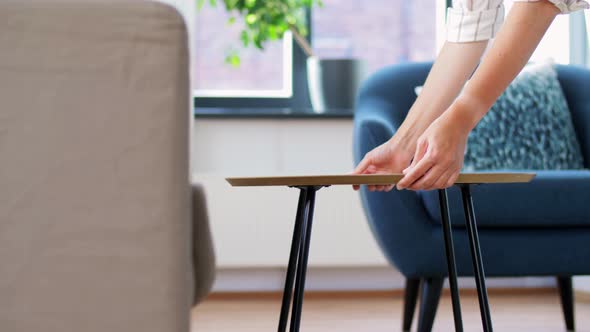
(203, 254)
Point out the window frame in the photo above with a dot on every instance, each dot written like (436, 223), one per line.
(300, 101)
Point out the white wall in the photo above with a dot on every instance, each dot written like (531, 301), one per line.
(252, 227)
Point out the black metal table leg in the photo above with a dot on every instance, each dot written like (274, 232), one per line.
(302, 263)
(293, 257)
(297, 268)
(476, 258)
(450, 253)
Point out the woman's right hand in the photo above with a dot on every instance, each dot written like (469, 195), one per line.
(390, 157)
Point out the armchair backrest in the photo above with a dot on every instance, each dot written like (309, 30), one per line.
(395, 86)
(94, 176)
(575, 82)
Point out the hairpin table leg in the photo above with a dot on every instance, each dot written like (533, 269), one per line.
(293, 257)
(476, 259)
(297, 268)
(450, 253)
(302, 263)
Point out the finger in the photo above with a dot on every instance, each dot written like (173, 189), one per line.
(362, 167)
(441, 180)
(441, 183)
(421, 149)
(386, 188)
(427, 181)
(416, 172)
(453, 176)
(355, 187)
(445, 180)
(452, 179)
(375, 188)
(378, 187)
(364, 164)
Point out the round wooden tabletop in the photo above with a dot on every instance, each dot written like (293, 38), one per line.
(383, 179)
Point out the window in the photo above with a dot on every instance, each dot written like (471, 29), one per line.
(265, 73)
(382, 32)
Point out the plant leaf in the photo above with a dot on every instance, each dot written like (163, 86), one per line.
(272, 32)
(291, 20)
(266, 20)
(251, 18)
(245, 38)
(233, 59)
(258, 40)
(231, 4)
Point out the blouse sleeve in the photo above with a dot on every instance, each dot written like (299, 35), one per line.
(474, 20)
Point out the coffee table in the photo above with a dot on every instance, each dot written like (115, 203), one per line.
(309, 185)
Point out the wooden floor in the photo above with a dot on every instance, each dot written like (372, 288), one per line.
(534, 311)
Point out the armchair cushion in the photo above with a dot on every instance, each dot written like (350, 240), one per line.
(529, 127)
(553, 199)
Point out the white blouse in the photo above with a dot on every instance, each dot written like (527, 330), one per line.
(475, 20)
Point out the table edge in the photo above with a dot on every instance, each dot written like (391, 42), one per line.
(372, 179)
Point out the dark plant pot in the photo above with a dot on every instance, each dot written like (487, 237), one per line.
(333, 83)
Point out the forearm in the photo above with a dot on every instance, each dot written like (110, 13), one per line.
(453, 66)
(524, 28)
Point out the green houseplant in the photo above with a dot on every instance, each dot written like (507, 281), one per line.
(266, 21)
(332, 82)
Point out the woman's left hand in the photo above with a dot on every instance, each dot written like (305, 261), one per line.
(439, 154)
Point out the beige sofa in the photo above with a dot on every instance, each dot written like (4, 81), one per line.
(99, 228)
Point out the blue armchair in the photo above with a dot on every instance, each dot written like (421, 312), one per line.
(536, 229)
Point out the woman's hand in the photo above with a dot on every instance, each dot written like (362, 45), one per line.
(439, 154)
(389, 157)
